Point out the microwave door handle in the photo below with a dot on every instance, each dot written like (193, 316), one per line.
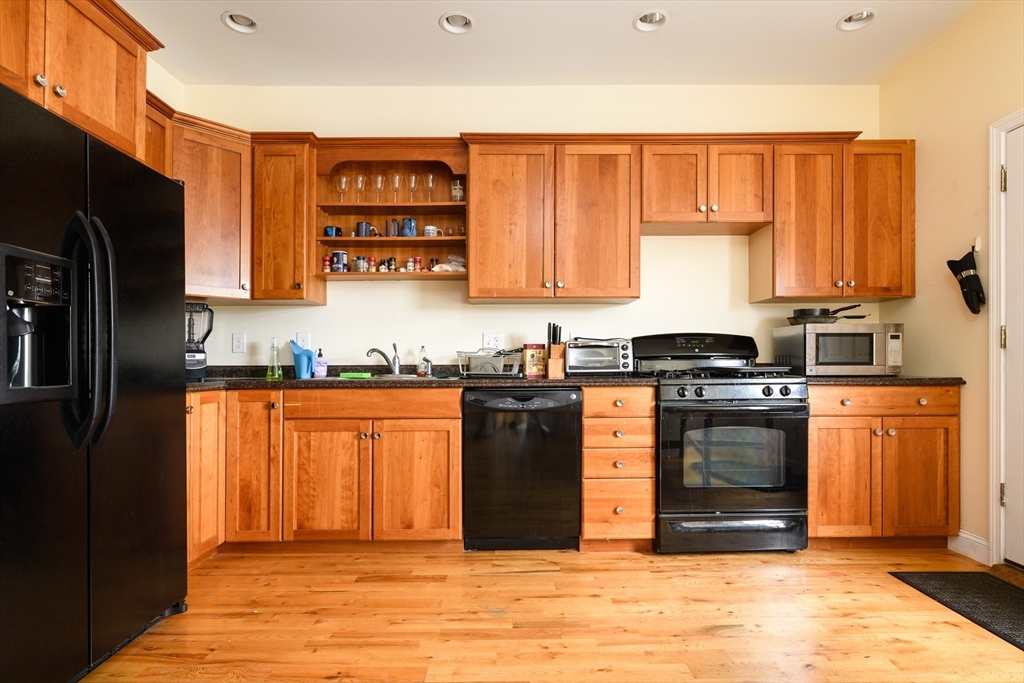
(79, 231)
(108, 295)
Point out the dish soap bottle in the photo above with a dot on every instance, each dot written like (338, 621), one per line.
(320, 366)
(423, 365)
(274, 368)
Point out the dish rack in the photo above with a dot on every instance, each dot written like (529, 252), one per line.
(490, 363)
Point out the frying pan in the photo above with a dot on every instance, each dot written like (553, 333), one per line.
(804, 312)
(802, 316)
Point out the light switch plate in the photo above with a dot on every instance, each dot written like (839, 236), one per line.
(302, 339)
(238, 342)
(493, 340)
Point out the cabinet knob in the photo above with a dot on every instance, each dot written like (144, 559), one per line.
(618, 403)
(878, 432)
(560, 284)
(846, 401)
(273, 405)
(376, 435)
(41, 81)
(618, 433)
(547, 284)
(923, 401)
(703, 208)
(298, 285)
(892, 432)
(245, 286)
(619, 464)
(714, 207)
(363, 435)
(619, 510)
(839, 283)
(60, 91)
(850, 283)
(189, 410)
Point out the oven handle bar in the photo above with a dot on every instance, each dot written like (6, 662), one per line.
(792, 410)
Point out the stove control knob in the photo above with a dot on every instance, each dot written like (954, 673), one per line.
(683, 392)
(767, 391)
(700, 392)
(785, 391)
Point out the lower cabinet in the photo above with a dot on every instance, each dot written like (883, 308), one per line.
(206, 447)
(618, 463)
(253, 487)
(884, 461)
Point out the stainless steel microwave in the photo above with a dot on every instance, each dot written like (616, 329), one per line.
(840, 349)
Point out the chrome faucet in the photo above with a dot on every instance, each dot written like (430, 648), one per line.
(394, 363)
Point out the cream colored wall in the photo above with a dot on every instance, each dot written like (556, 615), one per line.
(164, 85)
(945, 99)
(687, 284)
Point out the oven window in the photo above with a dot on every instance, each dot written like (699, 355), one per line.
(836, 348)
(750, 457)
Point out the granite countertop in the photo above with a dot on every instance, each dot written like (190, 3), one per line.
(901, 381)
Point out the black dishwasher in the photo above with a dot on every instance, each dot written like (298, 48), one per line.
(521, 453)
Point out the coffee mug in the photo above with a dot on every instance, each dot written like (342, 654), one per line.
(408, 227)
(430, 231)
(332, 231)
(362, 229)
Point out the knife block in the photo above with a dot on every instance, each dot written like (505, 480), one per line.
(556, 362)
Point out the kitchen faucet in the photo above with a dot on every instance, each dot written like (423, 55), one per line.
(394, 364)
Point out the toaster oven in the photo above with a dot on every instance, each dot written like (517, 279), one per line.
(598, 356)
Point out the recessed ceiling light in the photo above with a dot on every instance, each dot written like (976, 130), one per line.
(856, 20)
(241, 22)
(456, 22)
(650, 21)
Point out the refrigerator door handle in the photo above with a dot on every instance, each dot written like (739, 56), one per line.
(108, 301)
(81, 430)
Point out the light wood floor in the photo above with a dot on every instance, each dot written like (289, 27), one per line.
(818, 615)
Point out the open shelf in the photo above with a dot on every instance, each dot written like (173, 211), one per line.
(372, 208)
(392, 276)
(374, 242)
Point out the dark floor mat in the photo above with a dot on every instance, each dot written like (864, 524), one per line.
(988, 601)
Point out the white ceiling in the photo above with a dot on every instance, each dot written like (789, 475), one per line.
(542, 42)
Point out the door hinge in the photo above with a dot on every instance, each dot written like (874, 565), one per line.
(1002, 178)
(1002, 336)
(1002, 495)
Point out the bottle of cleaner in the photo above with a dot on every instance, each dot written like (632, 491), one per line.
(423, 364)
(274, 368)
(320, 366)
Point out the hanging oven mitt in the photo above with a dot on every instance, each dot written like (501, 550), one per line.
(966, 272)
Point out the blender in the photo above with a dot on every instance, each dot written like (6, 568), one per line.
(198, 326)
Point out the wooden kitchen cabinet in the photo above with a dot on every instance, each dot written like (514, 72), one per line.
(844, 223)
(555, 221)
(718, 183)
(159, 135)
(285, 258)
(84, 60)
(214, 161)
(883, 461)
(253, 471)
(206, 439)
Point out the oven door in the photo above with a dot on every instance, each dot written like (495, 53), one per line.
(728, 459)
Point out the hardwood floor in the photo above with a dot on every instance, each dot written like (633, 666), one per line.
(817, 615)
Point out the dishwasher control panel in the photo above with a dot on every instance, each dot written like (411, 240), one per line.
(526, 401)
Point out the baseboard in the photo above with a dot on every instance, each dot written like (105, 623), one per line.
(971, 545)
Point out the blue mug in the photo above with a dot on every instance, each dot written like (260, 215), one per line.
(408, 227)
(332, 231)
(362, 229)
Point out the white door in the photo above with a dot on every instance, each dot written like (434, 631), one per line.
(1013, 520)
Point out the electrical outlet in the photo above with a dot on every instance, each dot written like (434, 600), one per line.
(494, 340)
(302, 339)
(238, 342)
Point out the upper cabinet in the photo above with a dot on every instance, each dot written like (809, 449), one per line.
(159, 135)
(84, 60)
(717, 183)
(553, 221)
(844, 223)
(215, 163)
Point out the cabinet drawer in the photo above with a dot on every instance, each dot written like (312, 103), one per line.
(883, 401)
(627, 432)
(373, 403)
(618, 463)
(618, 402)
(618, 508)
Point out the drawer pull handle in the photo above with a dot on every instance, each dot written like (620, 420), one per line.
(618, 403)
(273, 405)
(892, 432)
(189, 410)
(878, 432)
(363, 435)
(376, 435)
(619, 464)
(846, 401)
(618, 433)
(923, 401)
(619, 510)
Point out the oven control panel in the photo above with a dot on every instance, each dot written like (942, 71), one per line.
(718, 390)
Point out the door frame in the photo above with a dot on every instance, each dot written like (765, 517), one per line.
(997, 317)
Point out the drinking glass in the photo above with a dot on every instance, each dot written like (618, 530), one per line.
(342, 186)
(412, 185)
(360, 186)
(430, 185)
(396, 182)
(378, 184)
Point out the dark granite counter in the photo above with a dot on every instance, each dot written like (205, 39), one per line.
(886, 381)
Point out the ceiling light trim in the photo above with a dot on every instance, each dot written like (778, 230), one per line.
(651, 20)
(456, 22)
(857, 20)
(241, 22)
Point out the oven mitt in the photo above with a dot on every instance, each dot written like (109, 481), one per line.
(966, 272)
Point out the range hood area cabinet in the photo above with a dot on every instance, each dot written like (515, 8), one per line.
(844, 223)
(550, 219)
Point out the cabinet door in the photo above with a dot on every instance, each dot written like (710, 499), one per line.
(283, 246)
(879, 218)
(511, 221)
(254, 466)
(597, 221)
(216, 172)
(326, 480)
(207, 446)
(101, 70)
(417, 480)
(675, 183)
(921, 475)
(22, 36)
(740, 184)
(844, 476)
(159, 136)
(807, 250)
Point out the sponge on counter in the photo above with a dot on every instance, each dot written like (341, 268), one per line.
(354, 375)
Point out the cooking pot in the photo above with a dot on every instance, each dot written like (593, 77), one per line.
(803, 316)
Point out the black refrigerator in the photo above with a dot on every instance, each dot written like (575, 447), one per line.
(92, 395)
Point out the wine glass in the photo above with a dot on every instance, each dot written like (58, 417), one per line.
(396, 182)
(342, 186)
(430, 184)
(412, 185)
(378, 184)
(360, 186)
